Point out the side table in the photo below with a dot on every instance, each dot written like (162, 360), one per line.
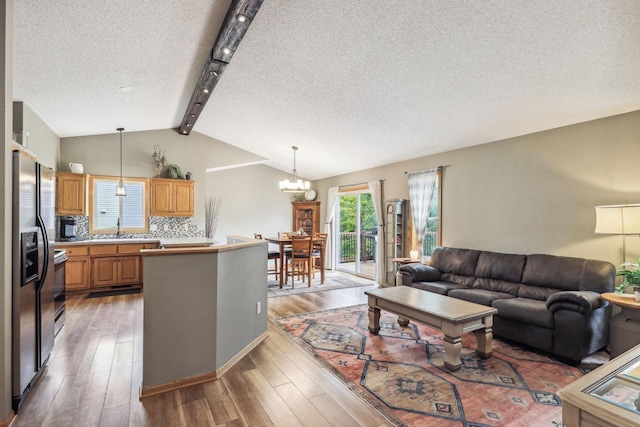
(624, 332)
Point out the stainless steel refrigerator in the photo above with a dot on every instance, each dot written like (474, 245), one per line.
(33, 307)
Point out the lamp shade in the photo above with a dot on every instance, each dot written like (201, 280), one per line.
(618, 219)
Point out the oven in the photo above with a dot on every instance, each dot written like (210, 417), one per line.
(59, 260)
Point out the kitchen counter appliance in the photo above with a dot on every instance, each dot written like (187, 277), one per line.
(33, 308)
(68, 228)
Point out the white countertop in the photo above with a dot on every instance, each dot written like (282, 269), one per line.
(181, 242)
(167, 242)
(122, 241)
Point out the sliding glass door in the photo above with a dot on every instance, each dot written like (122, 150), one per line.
(356, 234)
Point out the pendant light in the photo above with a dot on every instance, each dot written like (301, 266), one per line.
(120, 189)
(294, 184)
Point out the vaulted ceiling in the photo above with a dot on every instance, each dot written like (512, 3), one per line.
(353, 84)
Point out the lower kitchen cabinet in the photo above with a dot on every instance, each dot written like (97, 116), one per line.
(76, 273)
(112, 271)
(100, 266)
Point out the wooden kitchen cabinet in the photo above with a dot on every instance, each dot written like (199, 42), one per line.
(112, 271)
(77, 267)
(171, 197)
(70, 193)
(96, 266)
(104, 271)
(306, 216)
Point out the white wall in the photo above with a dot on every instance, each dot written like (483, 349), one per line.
(531, 194)
(251, 201)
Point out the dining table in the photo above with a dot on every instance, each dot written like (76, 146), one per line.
(284, 241)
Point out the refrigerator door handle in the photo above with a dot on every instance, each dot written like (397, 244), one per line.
(42, 274)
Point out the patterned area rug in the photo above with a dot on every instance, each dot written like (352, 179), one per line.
(400, 372)
(333, 280)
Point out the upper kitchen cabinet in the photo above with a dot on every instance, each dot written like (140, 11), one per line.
(70, 193)
(171, 197)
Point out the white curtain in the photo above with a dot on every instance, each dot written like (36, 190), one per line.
(332, 199)
(375, 188)
(421, 187)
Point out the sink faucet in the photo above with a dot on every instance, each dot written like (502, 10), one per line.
(118, 235)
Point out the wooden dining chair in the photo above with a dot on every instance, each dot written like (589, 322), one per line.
(287, 248)
(319, 245)
(299, 261)
(271, 255)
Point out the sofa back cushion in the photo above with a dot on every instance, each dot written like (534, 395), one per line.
(455, 265)
(507, 267)
(545, 275)
(455, 261)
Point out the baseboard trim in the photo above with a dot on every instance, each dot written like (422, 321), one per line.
(8, 420)
(155, 390)
(235, 359)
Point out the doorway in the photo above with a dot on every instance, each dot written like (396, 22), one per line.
(357, 234)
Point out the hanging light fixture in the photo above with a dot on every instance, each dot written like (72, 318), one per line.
(120, 189)
(294, 184)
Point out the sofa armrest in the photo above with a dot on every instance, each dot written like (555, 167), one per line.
(417, 272)
(580, 301)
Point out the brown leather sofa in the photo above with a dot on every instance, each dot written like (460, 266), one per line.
(550, 303)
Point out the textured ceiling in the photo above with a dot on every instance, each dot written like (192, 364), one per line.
(354, 84)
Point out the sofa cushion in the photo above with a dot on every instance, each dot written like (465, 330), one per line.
(496, 286)
(479, 296)
(525, 310)
(438, 287)
(417, 272)
(465, 281)
(507, 267)
(540, 293)
(460, 262)
(568, 274)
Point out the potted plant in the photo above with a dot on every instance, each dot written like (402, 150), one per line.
(631, 277)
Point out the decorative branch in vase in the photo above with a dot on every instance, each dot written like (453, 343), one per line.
(211, 213)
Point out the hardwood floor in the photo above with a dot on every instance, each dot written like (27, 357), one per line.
(95, 371)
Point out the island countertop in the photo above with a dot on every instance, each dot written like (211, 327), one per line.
(122, 241)
(165, 242)
(180, 242)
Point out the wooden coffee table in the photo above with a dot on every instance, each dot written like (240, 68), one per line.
(452, 316)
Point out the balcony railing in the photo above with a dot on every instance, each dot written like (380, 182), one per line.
(347, 245)
(430, 242)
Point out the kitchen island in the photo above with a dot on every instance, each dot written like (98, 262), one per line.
(204, 309)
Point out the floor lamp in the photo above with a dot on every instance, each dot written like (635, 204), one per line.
(618, 219)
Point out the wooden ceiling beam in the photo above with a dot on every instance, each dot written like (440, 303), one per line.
(239, 16)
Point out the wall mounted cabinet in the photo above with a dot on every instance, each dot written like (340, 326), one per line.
(70, 193)
(171, 197)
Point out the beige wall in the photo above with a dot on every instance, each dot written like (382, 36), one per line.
(41, 139)
(100, 155)
(251, 201)
(534, 193)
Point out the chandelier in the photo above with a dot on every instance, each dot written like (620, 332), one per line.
(294, 184)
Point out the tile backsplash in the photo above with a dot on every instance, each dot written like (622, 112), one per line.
(175, 227)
